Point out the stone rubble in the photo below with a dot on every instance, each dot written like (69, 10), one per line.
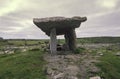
(69, 66)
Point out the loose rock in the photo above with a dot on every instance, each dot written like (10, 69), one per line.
(96, 77)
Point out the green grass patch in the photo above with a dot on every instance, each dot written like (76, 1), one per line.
(99, 40)
(22, 42)
(27, 65)
(79, 50)
(110, 66)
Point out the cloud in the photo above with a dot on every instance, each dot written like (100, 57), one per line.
(107, 3)
(104, 25)
(16, 16)
(9, 7)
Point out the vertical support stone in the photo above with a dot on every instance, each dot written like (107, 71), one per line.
(53, 41)
(66, 41)
(70, 39)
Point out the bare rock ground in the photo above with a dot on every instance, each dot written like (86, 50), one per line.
(71, 66)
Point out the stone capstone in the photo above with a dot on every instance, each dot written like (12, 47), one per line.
(61, 24)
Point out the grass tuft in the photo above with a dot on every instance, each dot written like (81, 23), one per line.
(79, 50)
(110, 66)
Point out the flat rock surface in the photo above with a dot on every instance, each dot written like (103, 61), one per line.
(58, 19)
(70, 66)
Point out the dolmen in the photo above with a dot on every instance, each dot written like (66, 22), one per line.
(53, 26)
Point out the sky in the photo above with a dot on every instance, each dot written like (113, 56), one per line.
(16, 17)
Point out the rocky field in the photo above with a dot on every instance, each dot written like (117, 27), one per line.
(32, 60)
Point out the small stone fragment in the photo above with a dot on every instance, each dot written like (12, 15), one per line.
(96, 77)
(59, 76)
(118, 54)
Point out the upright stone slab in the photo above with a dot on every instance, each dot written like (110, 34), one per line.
(70, 39)
(53, 41)
(66, 41)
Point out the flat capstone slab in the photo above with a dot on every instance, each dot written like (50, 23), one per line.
(61, 24)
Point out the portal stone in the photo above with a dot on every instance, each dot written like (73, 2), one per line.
(53, 41)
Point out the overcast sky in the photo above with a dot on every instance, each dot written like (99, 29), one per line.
(16, 17)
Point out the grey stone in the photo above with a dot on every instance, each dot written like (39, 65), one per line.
(59, 76)
(60, 23)
(49, 71)
(53, 41)
(100, 53)
(70, 38)
(118, 54)
(23, 50)
(96, 77)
